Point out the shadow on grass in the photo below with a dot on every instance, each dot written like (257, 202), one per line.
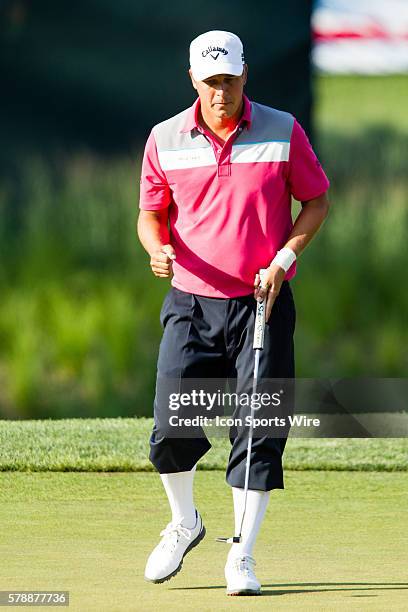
(317, 587)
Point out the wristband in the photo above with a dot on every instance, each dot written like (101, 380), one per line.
(284, 258)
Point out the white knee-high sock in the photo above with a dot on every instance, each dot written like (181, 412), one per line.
(179, 490)
(257, 503)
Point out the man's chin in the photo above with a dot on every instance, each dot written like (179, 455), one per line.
(223, 112)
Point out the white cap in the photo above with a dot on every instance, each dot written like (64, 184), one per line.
(216, 52)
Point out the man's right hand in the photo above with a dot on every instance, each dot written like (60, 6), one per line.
(161, 261)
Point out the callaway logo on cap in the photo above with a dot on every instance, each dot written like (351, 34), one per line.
(216, 52)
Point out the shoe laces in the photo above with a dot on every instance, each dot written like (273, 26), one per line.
(172, 533)
(244, 565)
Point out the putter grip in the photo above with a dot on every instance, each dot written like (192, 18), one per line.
(259, 330)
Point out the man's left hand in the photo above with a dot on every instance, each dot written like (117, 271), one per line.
(273, 279)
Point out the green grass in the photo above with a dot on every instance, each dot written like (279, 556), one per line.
(330, 541)
(354, 103)
(122, 445)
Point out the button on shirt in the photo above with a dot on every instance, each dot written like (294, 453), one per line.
(229, 204)
(222, 151)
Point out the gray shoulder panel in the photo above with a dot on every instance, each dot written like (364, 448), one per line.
(168, 136)
(268, 124)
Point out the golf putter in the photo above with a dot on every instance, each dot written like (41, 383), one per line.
(259, 333)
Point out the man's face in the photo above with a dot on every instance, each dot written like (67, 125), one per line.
(221, 95)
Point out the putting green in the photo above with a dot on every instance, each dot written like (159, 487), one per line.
(330, 541)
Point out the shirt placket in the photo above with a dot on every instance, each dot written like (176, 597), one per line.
(222, 153)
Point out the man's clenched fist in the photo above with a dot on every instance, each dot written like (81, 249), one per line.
(161, 261)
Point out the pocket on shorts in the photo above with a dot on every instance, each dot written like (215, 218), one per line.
(165, 308)
(286, 305)
(178, 304)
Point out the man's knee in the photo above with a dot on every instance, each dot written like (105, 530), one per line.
(170, 455)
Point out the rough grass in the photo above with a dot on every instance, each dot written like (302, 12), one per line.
(121, 445)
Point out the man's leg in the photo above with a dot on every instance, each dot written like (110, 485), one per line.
(257, 502)
(277, 361)
(179, 490)
(190, 350)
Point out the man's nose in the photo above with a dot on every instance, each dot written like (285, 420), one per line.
(222, 87)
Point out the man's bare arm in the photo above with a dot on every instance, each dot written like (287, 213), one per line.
(307, 224)
(153, 232)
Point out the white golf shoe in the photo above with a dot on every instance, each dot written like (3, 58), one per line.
(240, 576)
(166, 559)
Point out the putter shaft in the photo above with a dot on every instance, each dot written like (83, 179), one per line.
(259, 332)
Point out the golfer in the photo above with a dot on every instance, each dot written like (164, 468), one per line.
(215, 198)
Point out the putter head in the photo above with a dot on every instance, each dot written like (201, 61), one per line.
(233, 540)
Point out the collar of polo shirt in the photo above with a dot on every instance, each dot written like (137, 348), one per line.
(192, 115)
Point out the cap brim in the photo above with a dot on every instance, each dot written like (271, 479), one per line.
(233, 69)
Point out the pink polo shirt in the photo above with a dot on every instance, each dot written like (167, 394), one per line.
(229, 205)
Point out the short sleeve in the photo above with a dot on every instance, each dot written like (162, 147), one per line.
(306, 177)
(155, 192)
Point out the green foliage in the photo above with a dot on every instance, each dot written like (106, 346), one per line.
(78, 348)
(79, 328)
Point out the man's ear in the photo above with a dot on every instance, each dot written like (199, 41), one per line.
(192, 79)
(245, 74)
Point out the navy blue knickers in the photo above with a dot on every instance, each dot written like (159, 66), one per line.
(212, 338)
